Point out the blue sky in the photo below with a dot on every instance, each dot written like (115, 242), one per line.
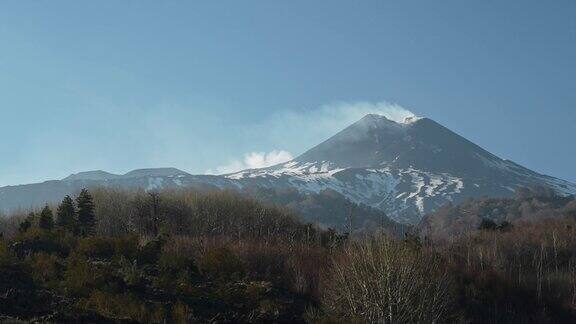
(208, 85)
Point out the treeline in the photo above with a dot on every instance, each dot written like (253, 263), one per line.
(529, 205)
(172, 256)
(117, 212)
(187, 256)
(330, 209)
(77, 218)
(525, 274)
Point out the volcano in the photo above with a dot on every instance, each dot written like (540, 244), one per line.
(406, 169)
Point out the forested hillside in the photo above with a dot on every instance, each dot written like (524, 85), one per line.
(188, 256)
(330, 209)
(528, 205)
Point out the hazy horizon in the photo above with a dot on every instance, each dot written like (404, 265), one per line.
(118, 86)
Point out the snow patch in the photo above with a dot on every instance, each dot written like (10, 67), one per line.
(155, 184)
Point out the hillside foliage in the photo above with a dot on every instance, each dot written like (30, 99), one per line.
(529, 205)
(188, 256)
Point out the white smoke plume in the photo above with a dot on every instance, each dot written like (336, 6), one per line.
(298, 130)
(349, 112)
(253, 160)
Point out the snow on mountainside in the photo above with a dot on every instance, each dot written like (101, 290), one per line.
(405, 169)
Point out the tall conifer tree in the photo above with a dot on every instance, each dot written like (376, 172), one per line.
(46, 219)
(86, 216)
(66, 214)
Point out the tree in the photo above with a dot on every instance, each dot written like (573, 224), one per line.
(155, 206)
(27, 223)
(24, 226)
(86, 215)
(505, 226)
(487, 224)
(46, 219)
(381, 280)
(66, 214)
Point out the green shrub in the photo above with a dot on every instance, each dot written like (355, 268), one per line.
(81, 276)
(172, 262)
(124, 306)
(5, 256)
(37, 240)
(126, 246)
(45, 268)
(221, 263)
(96, 247)
(99, 247)
(150, 252)
(131, 274)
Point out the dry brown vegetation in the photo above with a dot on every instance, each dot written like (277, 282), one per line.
(381, 280)
(528, 273)
(187, 256)
(169, 256)
(529, 205)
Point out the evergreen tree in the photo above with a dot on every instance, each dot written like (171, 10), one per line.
(24, 226)
(487, 224)
(86, 216)
(27, 223)
(505, 226)
(66, 214)
(46, 219)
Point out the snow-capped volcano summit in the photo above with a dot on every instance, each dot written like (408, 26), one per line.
(406, 169)
(376, 142)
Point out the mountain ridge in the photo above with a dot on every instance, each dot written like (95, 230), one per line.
(406, 169)
(97, 175)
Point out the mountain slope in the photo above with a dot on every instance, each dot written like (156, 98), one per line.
(404, 169)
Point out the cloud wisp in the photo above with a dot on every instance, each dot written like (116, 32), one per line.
(253, 160)
(296, 131)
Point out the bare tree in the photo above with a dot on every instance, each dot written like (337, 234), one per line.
(385, 281)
